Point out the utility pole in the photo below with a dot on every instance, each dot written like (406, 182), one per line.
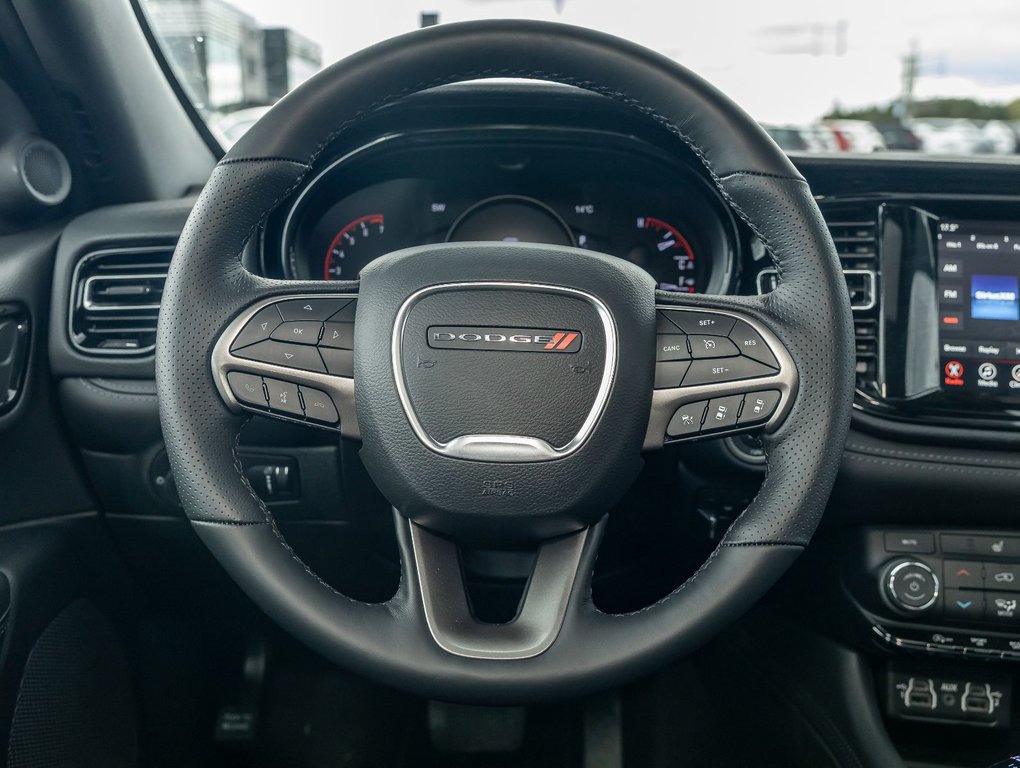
(911, 67)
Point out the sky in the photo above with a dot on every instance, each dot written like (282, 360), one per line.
(784, 61)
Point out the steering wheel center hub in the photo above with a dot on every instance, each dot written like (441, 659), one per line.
(509, 387)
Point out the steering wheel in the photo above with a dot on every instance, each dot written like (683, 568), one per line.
(503, 392)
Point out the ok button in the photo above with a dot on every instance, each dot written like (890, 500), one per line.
(298, 332)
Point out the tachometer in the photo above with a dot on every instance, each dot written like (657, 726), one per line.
(665, 254)
(354, 247)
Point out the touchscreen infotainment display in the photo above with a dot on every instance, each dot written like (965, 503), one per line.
(979, 306)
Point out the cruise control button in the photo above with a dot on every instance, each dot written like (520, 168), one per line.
(1002, 577)
(671, 347)
(964, 605)
(702, 322)
(339, 362)
(298, 332)
(259, 328)
(283, 397)
(319, 406)
(962, 574)
(669, 375)
(687, 419)
(730, 369)
(247, 388)
(712, 346)
(751, 344)
(758, 406)
(289, 355)
(337, 335)
(722, 412)
(310, 309)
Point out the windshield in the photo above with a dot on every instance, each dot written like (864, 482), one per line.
(861, 76)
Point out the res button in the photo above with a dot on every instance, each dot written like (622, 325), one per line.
(751, 344)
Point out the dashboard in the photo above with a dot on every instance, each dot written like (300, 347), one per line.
(606, 193)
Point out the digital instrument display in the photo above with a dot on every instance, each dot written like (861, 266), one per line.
(979, 306)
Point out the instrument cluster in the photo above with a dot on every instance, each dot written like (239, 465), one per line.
(593, 191)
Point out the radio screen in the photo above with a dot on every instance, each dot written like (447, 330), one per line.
(979, 306)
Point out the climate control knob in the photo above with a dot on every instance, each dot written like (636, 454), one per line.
(911, 586)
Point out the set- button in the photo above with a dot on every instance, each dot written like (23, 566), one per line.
(696, 348)
(314, 335)
(722, 413)
(283, 397)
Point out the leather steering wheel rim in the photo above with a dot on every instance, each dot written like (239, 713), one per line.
(207, 288)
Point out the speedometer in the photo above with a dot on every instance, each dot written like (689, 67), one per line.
(354, 246)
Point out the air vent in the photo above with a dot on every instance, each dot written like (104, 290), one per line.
(854, 229)
(115, 299)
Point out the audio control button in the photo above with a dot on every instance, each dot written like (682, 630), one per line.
(912, 586)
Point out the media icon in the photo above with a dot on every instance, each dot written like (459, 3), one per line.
(987, 371)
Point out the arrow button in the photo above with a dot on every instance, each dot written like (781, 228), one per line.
(963, 574)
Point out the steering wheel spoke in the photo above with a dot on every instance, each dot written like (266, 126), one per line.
(719, 370)
(555, 577)
(291, 357)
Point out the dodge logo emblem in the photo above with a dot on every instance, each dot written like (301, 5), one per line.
(505, 339)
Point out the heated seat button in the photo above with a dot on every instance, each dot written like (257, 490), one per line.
(712, 346)
(319, 406)
(1002, 577)
(722, 412)
(259, 328)
(728, 369)
(759, 406)
(687, 419)
(980, 546)
(337, 335)
(339, 362)
(311, 309)
(247, 388)
(964, 605)
(283, 398)
(962, 574)
(751, 344)
(288, 355)
(702, 322)
(298, 332)
(671, 347)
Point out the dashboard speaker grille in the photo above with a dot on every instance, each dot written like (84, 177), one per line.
(115, 297)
